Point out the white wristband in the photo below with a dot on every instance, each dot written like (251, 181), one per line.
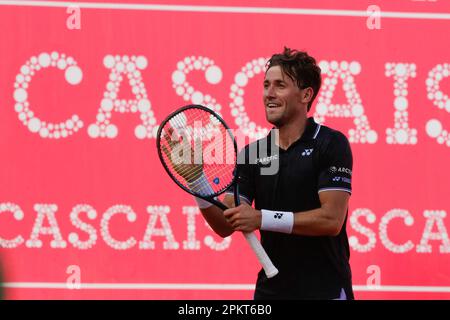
(202, 187)
(278, 221)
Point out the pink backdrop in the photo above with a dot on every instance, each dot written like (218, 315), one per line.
(84, 197)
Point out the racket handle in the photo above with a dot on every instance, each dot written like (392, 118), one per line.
(263, 258)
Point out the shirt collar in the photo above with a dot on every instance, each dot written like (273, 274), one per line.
(311, 130)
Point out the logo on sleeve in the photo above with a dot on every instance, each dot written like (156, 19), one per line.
(342, 179)
(334, 169)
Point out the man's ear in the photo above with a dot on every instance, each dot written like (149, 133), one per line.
(306, 95)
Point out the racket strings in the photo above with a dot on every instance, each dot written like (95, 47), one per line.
(211, 147)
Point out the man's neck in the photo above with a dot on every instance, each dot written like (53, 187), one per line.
(291, 132)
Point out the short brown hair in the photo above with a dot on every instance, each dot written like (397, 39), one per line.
(300, 67)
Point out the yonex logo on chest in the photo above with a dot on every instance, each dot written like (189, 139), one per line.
(307, 152)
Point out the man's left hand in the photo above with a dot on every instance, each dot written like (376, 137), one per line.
(243, 218)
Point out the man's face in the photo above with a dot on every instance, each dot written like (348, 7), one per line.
(282, 97)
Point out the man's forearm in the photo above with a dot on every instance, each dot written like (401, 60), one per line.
(216, 220)
(316, 222)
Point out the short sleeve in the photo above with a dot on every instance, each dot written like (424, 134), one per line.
(336, 165)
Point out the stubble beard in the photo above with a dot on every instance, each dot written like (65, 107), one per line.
(277, 120)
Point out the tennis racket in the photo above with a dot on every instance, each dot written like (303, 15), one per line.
(194, 142)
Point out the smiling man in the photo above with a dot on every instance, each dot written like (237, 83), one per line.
(301, 209)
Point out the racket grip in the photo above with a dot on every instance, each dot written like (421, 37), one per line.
(261, 254)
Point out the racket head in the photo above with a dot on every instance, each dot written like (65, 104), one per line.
(191, 123)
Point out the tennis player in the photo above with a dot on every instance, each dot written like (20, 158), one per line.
(301, 209)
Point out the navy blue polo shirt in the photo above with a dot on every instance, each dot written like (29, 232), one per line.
(310, 267)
